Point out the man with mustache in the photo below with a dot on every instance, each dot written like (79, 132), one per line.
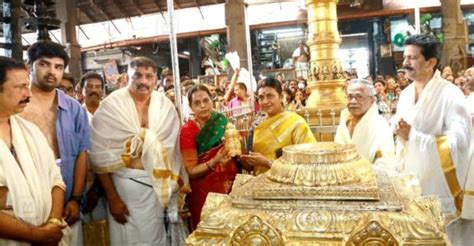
(31, 187)
(135, 154)
(64, 124)
(361, 124)
(92, 85)
(433, 127)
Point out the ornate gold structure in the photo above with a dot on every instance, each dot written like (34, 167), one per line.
(321, 194)
(326, 78)
(232, 142)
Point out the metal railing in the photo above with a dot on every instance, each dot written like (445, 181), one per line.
(319, 128)
(241, 117)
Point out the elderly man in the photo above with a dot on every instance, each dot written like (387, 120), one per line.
(63, 122)
(31, 187)
(135, 153)
(361, 124)
(433, 132)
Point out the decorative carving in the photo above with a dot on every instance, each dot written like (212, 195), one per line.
(213, 201)
(372, 234)
(314, 73)
(325, 74)
(276, 196)
(290, 214)
(256, 232)
(337, 72)
(242, 179)
(300, 166)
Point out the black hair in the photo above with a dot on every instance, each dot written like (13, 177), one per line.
(429, 45)
(70, 78)
(290, 94)
(197, 88)
(47, 49)
(91, 75)
(7, 64)
(142, 61)
(379, 81)
(270, 82)
(242, 86)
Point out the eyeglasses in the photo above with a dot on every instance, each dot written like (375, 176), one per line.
(66, 89)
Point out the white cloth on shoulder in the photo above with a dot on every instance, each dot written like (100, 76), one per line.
(439, 111)
(31, 179)
(372, 134)
(116, 122)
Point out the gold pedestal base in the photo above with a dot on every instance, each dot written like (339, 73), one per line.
(324, 107)
(337, 214)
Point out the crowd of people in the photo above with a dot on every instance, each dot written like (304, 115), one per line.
(65, 144)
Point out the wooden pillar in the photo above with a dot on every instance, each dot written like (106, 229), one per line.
(195, 57)
(236, 35)
(66, 12)
(12, 28)
(455, 36)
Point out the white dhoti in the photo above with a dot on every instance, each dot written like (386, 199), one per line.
(76, 234)
(145, 225)
(118, 137)
(301, 69)
(437, 150)
(148, 221)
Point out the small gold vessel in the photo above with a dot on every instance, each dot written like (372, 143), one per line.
(321, 194)
(232, 142)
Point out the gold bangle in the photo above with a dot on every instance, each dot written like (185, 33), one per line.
(55, 221)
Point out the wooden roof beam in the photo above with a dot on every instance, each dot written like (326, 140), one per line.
(161, 10)
(177, 4)
(139, 9)
(199, 8)
(122, 12)
(89, 16)
(102, 11)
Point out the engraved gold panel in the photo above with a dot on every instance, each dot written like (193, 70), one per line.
(400, 215)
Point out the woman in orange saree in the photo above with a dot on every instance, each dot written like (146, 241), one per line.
(206, 161)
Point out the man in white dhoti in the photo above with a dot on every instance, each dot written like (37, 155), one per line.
(361, 124)
(31, 187)
(63, 122)
(433, 133)
(301, 59)
(468, 205)
(135, 152)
